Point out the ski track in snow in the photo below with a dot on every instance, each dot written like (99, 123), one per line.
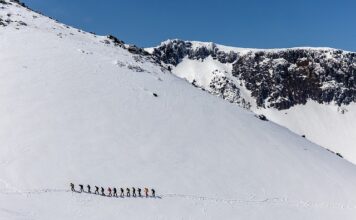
(277, 201)
(268, 201)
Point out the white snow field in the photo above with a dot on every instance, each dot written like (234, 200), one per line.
(323, 124)
(74, 109)
(328, 125)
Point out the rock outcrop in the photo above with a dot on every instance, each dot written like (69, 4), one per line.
(278, 78)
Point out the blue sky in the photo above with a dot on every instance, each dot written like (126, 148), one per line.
(243, 23)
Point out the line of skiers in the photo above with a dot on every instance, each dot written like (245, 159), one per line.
(114, 192)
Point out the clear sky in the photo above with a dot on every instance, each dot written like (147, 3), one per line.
(242, 23)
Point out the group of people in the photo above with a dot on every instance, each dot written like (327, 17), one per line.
(113, 191)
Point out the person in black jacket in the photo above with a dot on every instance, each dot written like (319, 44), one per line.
(102, 191)
(153, 192)
(139, 192)
(72, 187)
(133, 192)
(115, 192)
(128, 192)
(88, 186)
(109, 190)
(81, 188)
(96, 189)
(122, 192)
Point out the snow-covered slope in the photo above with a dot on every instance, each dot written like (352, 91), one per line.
(76, 108)
(311, 91)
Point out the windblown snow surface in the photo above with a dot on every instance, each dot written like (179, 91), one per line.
(75, 109)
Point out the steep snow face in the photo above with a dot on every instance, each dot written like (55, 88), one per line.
(76, 108)
(290, 86)
(316, 120)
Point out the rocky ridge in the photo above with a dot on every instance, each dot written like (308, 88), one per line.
(278, 78)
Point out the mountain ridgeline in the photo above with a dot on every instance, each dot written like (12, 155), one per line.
(278, 78)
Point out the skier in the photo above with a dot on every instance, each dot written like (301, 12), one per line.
(127, 192)
(109, 189)
(88, 186)
(146, 192)
(153, 193)
(115, 192)
(96, 190)
(122, 192)
(133, 192)
(139, 192)
(72, 187)
(102, 191)
(81, 188)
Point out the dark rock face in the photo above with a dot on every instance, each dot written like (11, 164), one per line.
(276, 78)
(21, 23)
(131, 48)
(225, 88)
(18, 2)
(137, 50)
(115, 40)
(2, 23)
(262, 117)
(284, 78)
(174, 51)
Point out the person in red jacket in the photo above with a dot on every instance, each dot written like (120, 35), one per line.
(146, 192)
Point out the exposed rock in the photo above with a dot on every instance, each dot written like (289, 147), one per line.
(224, 88)
(136, 50)
(2, 23)
(284, 78)
(131, 48)
(338, 154)
(172, 52)
(21, 23)
(262, 117)
(278, 78)
(19, 2)
(116, 41)
(135, 68)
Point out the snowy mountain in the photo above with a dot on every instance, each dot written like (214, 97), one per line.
(87, 109)
(311, 91)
